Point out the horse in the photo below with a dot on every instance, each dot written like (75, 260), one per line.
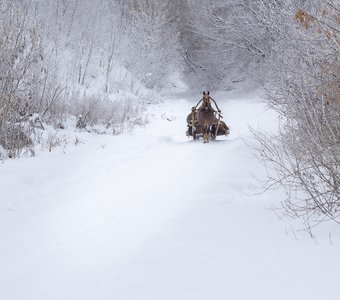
(206, 117)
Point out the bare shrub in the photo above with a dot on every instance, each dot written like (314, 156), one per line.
(304, 157)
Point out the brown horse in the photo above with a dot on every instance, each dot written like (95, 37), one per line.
(206, 117)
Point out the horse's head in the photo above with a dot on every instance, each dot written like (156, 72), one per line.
(206, 99)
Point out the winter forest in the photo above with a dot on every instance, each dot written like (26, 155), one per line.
(70, 69)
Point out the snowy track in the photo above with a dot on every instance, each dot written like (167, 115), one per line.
(153, 215)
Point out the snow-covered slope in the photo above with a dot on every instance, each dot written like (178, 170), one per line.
(153, 215)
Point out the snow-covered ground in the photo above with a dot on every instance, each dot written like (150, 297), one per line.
(153, 215)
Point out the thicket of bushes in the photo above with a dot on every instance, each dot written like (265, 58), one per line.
(62, 59)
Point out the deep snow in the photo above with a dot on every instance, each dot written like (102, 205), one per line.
(154, 215)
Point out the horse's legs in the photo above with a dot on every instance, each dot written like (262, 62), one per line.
(206, 134)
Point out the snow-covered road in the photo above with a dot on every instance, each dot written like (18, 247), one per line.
(153, 215)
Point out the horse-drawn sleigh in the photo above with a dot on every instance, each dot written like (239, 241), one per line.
(205, 121)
